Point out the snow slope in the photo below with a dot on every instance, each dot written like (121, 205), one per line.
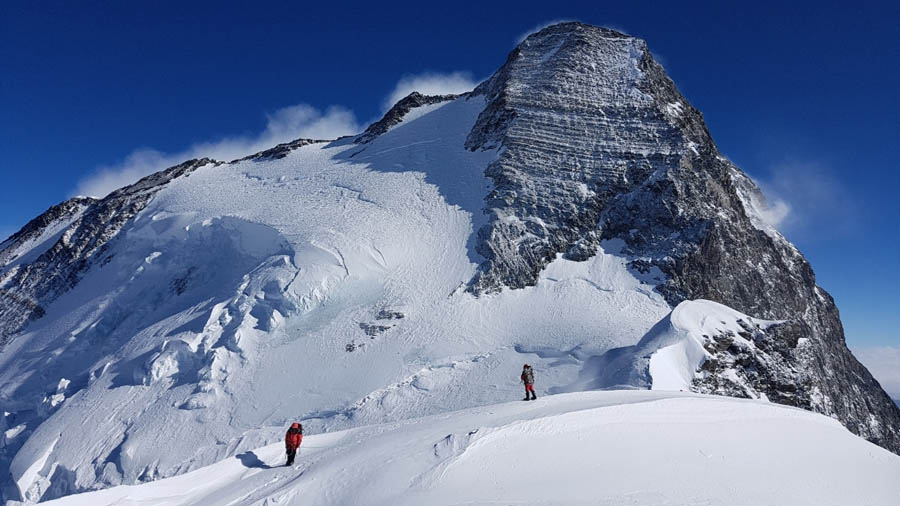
(210, 322)
(607, 448)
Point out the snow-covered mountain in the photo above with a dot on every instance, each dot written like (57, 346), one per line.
(571, 212)
(608, 448)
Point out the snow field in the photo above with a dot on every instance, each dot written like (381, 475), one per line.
(609, 448)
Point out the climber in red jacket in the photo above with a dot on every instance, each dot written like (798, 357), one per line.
(528, 379)
(292, 440)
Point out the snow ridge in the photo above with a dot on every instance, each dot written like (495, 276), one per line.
(606, 448)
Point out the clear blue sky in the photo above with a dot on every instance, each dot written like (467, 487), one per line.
(804, 97)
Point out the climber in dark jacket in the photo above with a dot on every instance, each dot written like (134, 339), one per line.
(528, 379)
(292, 440)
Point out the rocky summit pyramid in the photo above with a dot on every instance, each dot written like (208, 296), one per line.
(571, 212)
(597, 144)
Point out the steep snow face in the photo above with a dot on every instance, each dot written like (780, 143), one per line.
(327, 285)
(608, 448)
(73, 237)
(24, 248)
(39, 234)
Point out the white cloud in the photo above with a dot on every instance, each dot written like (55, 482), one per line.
(287, 124)
(884, 363)
(431, 83)
(807, 199)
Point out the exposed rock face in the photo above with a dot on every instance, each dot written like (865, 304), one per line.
(760, 364)
(279, 151)
(86, 227)
(577, 131)
(597, 143)
(35, 228)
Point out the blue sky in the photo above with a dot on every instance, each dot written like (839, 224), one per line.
(802, 96)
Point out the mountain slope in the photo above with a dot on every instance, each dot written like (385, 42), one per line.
(211, 317)
(588, 448)
(572, 212)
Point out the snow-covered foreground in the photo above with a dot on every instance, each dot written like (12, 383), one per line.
(614, 447)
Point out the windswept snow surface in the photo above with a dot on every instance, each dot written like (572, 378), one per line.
(327, 286)
(606, 448)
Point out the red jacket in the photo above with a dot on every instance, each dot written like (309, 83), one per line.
(293, 437)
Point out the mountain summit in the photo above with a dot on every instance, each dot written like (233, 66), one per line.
(598, 144)
(571, 212)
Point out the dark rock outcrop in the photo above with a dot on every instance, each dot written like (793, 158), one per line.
(396, 113)
(279, 151)
(576, 133)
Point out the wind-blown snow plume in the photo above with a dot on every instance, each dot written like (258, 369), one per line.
(534, 29)
(884, 363)
(286, 124)
(431, 83)
(806, 199)
(769, 206)
(540, 26)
